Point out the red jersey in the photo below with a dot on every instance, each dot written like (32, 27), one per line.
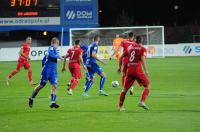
(126, 43)
(74, 54)
(134, 54)
(25, 49)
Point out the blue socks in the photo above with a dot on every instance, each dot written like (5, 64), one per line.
(53, 98)
(88, 85)
(102, 81)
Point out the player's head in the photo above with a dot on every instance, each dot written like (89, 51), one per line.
(138, 39)
(96, 38)
(130, 35)
(77, 42)
(55, 42)
(29, 40)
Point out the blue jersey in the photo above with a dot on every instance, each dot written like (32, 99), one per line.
(49, 71)
(50, 60)
(84, 56)
(92, 49)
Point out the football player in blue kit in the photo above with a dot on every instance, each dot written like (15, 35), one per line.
(49, 73)
(94, 68)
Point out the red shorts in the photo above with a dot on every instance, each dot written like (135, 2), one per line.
(76, 72)
(124, 64)
(134, 75)
(23, 63)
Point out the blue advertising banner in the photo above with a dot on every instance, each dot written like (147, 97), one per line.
(79, 12)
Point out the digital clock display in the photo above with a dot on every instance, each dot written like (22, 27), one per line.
(24, 3)
(29, 8)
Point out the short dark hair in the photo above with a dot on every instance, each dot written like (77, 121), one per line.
(138, 39)
(77, 42)
(130, 35)
(96, 37)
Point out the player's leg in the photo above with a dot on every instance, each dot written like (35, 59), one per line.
(53, 97)
(101, 85)
(13, 73)
(127, 84)
(132, 89)
(76, 75)
(89, 81)
(143, 81)
(27, 66)
(34, 94)
(53, 79)
(43, 81)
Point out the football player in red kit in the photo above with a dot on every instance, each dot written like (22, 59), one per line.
(136, 59)
(23, 61)
(75, 58)
(125, 44)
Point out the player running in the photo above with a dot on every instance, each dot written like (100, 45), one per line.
(49, 73)
(116, 48)
(75, 58)
(23, 61)
(136, 55)
(125, 44)
(93, 68)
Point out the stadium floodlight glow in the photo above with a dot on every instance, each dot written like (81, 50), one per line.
(153, 36)
(45, 33)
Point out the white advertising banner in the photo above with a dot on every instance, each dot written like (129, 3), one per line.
(37, 53)
(30, 21)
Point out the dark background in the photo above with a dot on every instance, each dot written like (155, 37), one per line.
(149, 12)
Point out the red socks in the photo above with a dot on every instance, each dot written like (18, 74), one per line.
(30, 75)
(74, 83)
(12, 74)
(121, 99)
(145, 94)
(123, 78)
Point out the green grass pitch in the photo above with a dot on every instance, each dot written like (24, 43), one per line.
(174, 101)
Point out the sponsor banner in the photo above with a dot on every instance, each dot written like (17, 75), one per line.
(30, 21)
(79, 12)
(37, 53)
(190, 49)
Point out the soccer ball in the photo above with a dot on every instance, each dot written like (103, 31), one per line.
(115, 83)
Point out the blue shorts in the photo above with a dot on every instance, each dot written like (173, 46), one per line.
(94, 68)
(50, 75)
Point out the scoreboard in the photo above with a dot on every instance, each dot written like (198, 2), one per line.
(48, 12)
(29, 8)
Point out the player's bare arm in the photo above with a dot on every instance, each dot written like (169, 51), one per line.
(22, 54)
(95, 56)
(114, 52)
(82, 63)
(144, 65)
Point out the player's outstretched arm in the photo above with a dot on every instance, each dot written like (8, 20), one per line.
(95, 56)
(144, 65)
(115, 51)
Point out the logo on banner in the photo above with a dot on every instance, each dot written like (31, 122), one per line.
(70, 14)
(79, 12)
(187, 49)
